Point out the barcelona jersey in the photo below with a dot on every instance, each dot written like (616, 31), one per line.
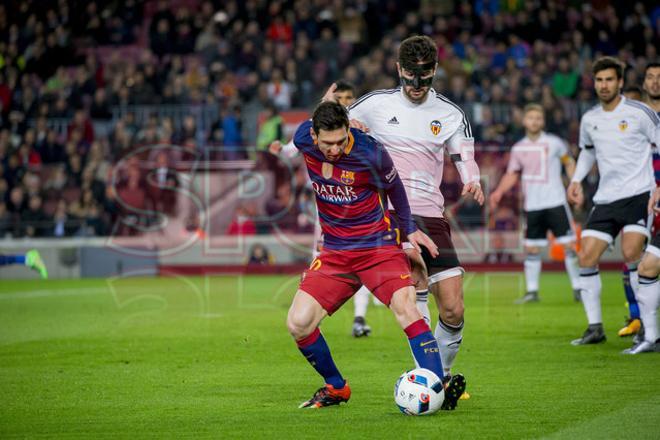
(351, 192)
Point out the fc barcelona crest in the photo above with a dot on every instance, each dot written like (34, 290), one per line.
(623, 125)
(436, 126)
(347, 177)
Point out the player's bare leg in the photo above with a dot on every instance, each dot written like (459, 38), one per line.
(420, 278)
(590, 286)
(532, 274)
(572, 268)
(648, 297)
(305, 315)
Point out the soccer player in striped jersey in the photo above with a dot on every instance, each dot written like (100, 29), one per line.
(31, 259)
(417, 125)
(539, 157)
(617, 136)
(352, 175)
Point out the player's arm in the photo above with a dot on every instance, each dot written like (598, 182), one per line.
(508, 181)
(653, 202)
(461, 151)
(585, 162)
(569, 165)
(289, 149)
(393, 186)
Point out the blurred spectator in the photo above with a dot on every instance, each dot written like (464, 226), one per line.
(33, 219)
(272, 128)
(62, 226)
(242, 224)
(161, 185)
(259, 255)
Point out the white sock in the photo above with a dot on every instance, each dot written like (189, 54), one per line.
(634, 277)
(449, 339)
(361, 301)
(423, 305)
(591, 287)
(648, 298)
(572, 268)
(532, 272)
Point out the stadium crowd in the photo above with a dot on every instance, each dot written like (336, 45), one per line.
(83, 87)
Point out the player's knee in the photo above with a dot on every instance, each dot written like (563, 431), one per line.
(631, 254)
(648, 269)
(299, 326)
(587, 259)
(531, 250)
(453, 315)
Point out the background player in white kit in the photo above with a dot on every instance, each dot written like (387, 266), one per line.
(617, 135)
(538, 157)
(416, 125)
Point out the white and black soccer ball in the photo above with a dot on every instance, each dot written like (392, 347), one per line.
(419, 392)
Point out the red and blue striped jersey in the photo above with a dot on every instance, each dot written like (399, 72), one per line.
(351, 192)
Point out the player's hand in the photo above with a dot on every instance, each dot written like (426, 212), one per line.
(330, 93)
(575, 194)
(275, 147)
(474, 188)
(494, 200)
(418, 238)
(653, 202)
(354, 123)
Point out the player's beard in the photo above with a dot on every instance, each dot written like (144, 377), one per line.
(416, 100)
(607, 99)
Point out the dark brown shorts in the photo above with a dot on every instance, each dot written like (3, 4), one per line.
(437, 228)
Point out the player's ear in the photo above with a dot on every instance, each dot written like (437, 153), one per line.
(313, 135)
(398, 68)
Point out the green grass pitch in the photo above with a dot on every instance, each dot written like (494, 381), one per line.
(211, 357)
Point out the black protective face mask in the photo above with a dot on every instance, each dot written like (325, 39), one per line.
(417, 82)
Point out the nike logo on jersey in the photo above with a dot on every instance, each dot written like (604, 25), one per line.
(423, 344)
(393, 121)
(405, 276)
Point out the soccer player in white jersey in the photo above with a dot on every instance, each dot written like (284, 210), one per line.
(538, 158)
(417, 125)
(617, 136)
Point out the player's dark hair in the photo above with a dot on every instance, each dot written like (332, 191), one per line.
(651, 65)
(419, 48)
(343, 86)
(329, 116)
(604, 63)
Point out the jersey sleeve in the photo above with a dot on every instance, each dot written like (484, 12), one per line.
(585, 141)
(302, 139)
(515, 164)
(651, 126)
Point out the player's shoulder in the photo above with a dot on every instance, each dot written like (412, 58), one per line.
(375, 96)
(302, 137)
(554, 139)
(440, 100)
(641, 109)
(592, 112)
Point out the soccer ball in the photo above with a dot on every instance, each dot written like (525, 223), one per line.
(419, 392)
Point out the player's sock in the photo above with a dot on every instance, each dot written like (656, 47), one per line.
(633, 307)
(449, 339)
(361, 301)
(6, 260)
(532, 272)
(317, 353)
(424, 347)
(648, 296)
(423, 305)
(572, 268)
(591, 286)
